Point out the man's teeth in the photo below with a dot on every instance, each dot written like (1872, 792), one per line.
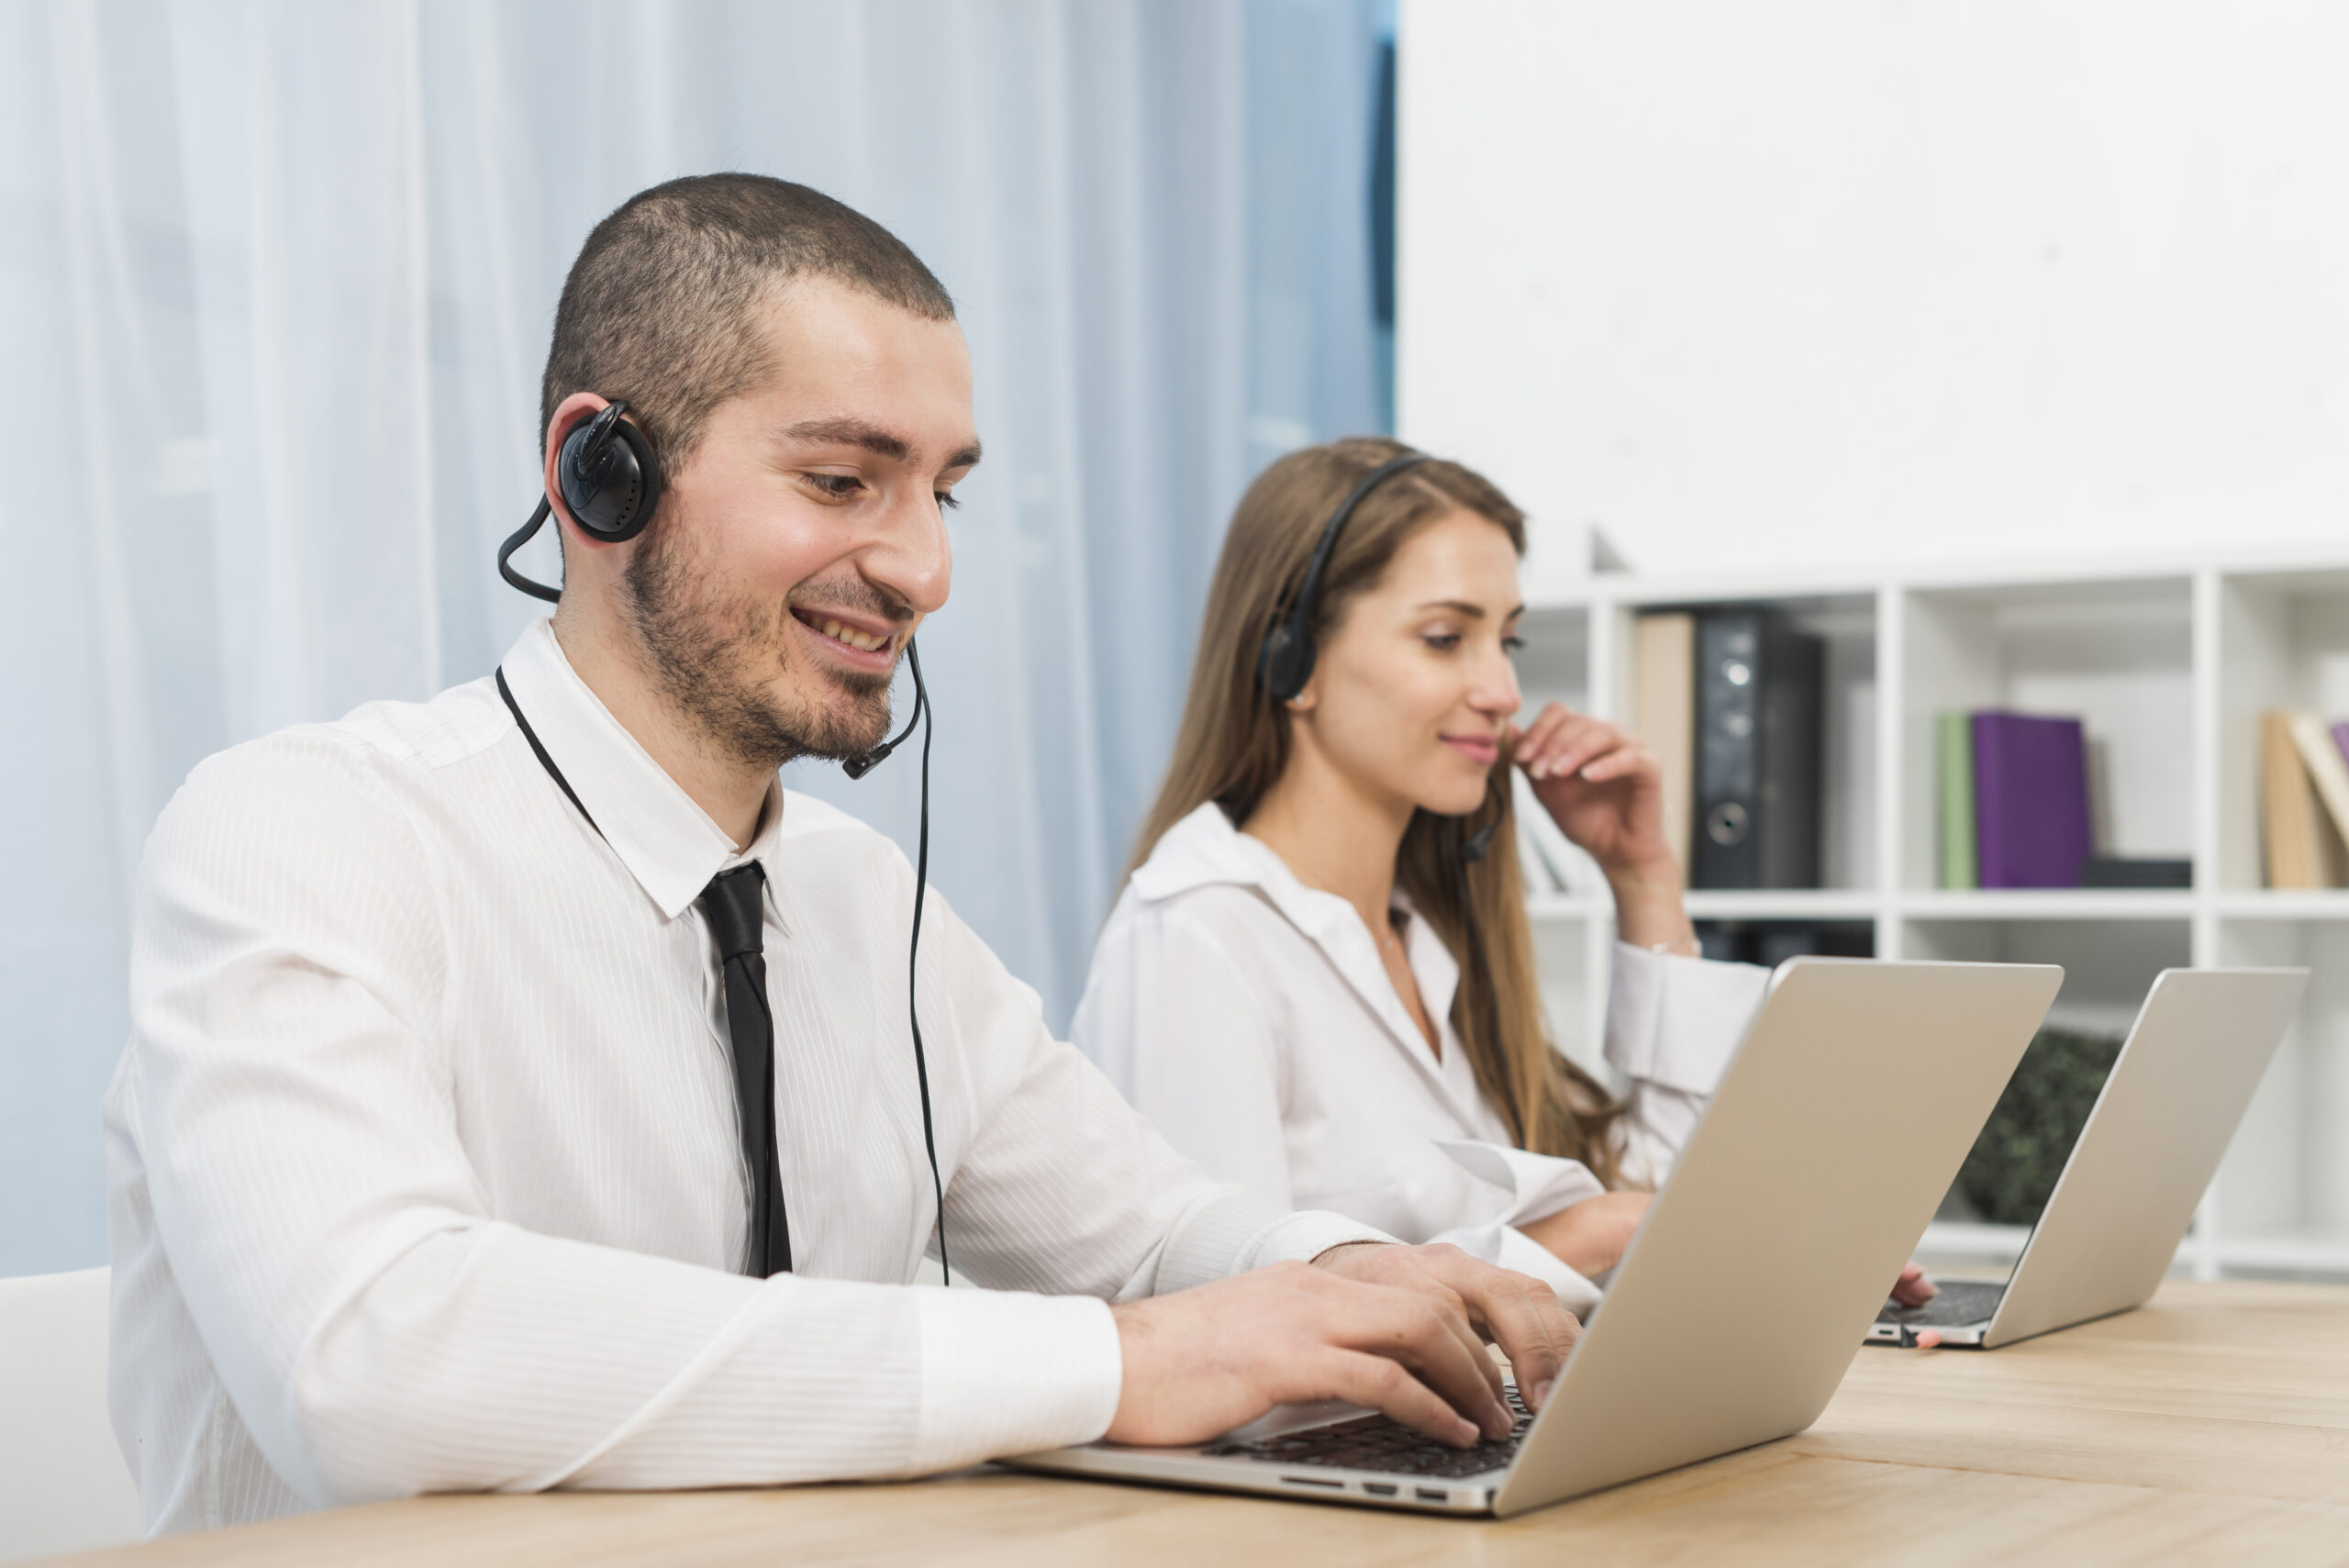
(853, 638)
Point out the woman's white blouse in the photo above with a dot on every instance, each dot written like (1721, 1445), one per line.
(1249, 1017)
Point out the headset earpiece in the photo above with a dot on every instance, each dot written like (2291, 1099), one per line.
(610, 480)
(1285, 662)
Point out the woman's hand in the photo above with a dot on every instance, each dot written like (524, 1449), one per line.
(1605, 791)
(1592, 1236)
(1912, 1288)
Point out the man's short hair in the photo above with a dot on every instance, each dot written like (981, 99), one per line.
(661, 307)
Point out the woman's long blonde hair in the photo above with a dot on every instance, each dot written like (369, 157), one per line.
(1234, 743)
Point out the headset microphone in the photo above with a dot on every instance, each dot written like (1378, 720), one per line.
(1285, 663)
(857, 767)
(610, 480)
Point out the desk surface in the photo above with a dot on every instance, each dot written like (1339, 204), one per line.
(2212, 1425)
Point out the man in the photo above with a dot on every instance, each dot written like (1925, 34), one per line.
(428, 1172)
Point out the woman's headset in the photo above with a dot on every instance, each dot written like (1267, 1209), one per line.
(1284, 663)
(610, 481)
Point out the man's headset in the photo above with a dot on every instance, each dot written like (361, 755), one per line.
(610, 479)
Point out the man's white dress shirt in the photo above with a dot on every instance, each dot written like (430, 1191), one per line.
(424, 1163)
(1249, 1016)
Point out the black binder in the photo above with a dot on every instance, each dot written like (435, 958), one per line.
(1759, 691)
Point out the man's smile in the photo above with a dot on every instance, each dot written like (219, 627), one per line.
(855, 641)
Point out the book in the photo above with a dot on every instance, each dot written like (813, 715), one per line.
(2292, 828)
(1760, 691)
(1954, 741)
(2031, 827)
(2320, 754)
(2116, 871)
(1664, 714)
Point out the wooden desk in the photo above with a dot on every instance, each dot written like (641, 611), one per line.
(2212, 1426)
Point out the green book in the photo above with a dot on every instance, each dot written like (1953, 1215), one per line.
(1954, 742)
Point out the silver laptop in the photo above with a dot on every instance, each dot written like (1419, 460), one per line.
(1843, 1120)
(2153, 1139)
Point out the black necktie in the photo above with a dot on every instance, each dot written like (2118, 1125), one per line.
(737, 920)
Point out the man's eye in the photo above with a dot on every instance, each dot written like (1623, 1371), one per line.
(946, 502)
(839, 486)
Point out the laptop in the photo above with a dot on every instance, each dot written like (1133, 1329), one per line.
(2153, 1140)
(1837, 1128)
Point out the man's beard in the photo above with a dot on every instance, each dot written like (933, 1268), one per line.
(710, 651)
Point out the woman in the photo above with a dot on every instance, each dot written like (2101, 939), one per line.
(1281, 986)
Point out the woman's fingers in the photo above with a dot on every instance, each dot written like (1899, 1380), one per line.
(1535, 743)
(1563, 744)
(1574, 739)
(1626, 761)
(1912, 1288)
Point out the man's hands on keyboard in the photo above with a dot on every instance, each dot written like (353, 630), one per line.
(1376, 1442)
(1397, 1328)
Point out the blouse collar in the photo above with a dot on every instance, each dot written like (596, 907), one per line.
(1205, 849)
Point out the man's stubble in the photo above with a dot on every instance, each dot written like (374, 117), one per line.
(713, 653)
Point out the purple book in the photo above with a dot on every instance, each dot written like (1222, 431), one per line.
(2030, 800)
(2340, 738)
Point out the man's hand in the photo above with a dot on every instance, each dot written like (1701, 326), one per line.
(1397, 1328)
(1515, 1311)
(1592, 1236)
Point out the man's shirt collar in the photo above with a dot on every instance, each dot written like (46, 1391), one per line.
(667, 841)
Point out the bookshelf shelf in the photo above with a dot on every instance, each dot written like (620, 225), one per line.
(2282, 906)
(2169, 662)
(1785, 903)
(2048, 903)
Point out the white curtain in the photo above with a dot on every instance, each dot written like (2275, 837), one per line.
(276, 283)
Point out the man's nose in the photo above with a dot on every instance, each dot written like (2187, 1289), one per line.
(913, 557)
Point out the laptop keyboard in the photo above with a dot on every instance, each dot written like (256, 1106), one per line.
(1960, 1302)
(1380, 1443)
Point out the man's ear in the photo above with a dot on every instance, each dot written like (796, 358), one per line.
(568, 414)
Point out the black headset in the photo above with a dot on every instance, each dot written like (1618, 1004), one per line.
(1285, 663)
(610, 479)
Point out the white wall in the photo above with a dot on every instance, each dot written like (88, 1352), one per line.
(1811, 282)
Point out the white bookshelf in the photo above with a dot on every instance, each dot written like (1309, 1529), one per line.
(2169, 662)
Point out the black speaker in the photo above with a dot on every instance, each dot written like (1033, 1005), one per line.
(1760, 689)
